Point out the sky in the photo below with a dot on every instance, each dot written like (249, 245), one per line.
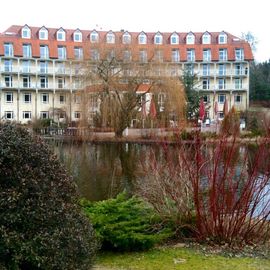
(233, 16)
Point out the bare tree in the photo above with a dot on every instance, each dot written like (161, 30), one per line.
(122, 86)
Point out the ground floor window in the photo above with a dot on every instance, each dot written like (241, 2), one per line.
(9, 115)
(77, 115)
(44, 115)
(27, 115)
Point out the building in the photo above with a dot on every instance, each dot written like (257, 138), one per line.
(40, 67)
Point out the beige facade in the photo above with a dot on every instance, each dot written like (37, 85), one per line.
(40, 79)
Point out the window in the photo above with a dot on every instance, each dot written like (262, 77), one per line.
(43, 67)
(126, 56)
(159, 56)
(143, 56)
(62, 114)
(26, 32)
(206, 38)
(27, 115)
(77, 83)
(44, 115)
(206, 70)
(190, 55)
(239, 69)
(94, 54)
(26, 81)
(61, 82)
(221, 70)
(158, 39)
(62, 52)
(8, 81)
(43, 82)
(205, 84)
(207, 55)
(27, 51)
(175, 55)
(190, 39)
(77, 115)
(43, 33)
(161, 101)
(27, 97)
(78, 53)
(44, 51)
(142, 38)
(206, 98)
(239, 54)
(238, 98)
(189, 68)
(8, 50)
(94, 38)
(221, 98)
(126, 38)
(110, 55)
(7, 65)
(9, 97)
(9, 115)
(221, 83)
(77, 99)
(60, 68)
(45, 98)
(110, 37)
(62, 99)
(174, 39)
(25, 66)
(77, 36)
(222, 54)
(222, 38)
(220, 115)
(61, 35)
(238, 83)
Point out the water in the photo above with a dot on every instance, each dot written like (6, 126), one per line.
(102, 170)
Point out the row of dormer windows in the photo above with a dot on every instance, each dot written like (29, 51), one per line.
(126, 37)
(158, 54)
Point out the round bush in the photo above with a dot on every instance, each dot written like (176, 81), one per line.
(41, 224)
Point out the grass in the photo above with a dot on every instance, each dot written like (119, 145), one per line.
(169, 258)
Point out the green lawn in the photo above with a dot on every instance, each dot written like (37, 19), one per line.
(177, 258)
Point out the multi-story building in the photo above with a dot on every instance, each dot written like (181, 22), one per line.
(40, 67)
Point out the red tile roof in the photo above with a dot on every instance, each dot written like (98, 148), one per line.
(13, 35)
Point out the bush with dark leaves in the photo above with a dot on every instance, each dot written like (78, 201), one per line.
(41, 224)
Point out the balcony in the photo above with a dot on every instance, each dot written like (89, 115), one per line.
(9, 69)
(9, 85)
(27, 85)
(47, 71)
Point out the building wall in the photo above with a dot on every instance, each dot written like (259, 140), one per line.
(53, 80)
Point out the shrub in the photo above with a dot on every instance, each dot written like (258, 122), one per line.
(230, 125)
(41, 224)
(125, 223)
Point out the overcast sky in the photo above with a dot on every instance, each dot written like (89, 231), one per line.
(233, 16)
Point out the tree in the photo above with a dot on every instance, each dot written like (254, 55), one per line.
(41, 224)
(190, 82)
(251, 39)
(121, 86)
(260, 82)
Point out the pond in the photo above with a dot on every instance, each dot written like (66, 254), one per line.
(102, 170)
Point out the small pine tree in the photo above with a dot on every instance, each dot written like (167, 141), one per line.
(231, 123)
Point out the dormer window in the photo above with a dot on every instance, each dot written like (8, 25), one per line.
(190, 38)
(43, 33)
(142, 38)
(77, 36)
(222, 38)
(206, 38)
(126, 38)
(174, 39)
(158, 39)
(61, 35)
(110, 37)
(94, 37)
(26, 32)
